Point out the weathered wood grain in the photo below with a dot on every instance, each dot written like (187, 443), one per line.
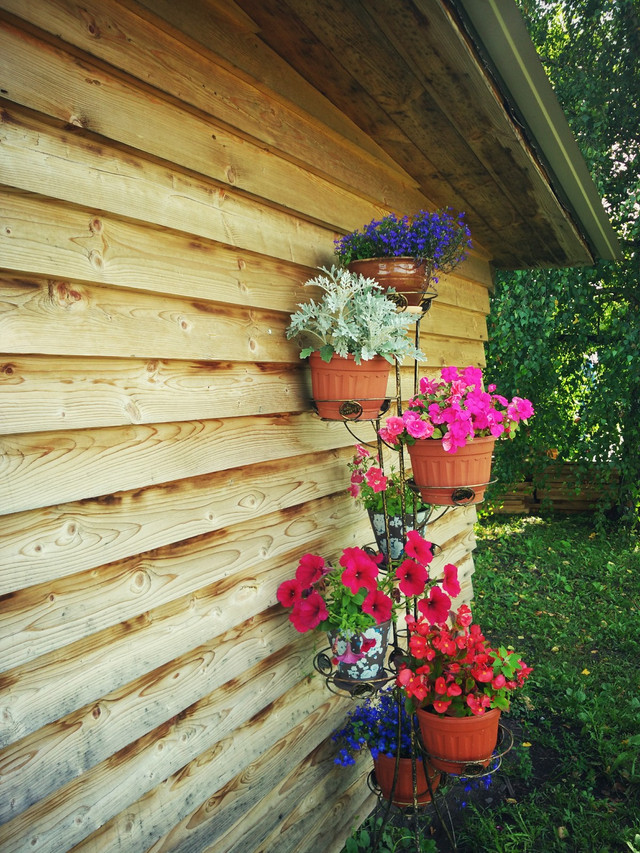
(43, 546)
(44, 393)
(63, 317)
(91, 734)
(61, 681)
(47, 468)
(167, 61)
(41, 393)
(40, 619)
(454, 323)
(344, 816)
(223, 29)
(53, 239)
(205, 800)
(44, 77)
(81, 806)
(283, 816)
(54, 159)
(306, 828)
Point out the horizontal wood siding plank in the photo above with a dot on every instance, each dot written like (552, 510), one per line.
(168, 62)
(49, 544)
(44, 393)
(40, 393)
(49, 616)
(281, 820)
(61, 681)
(64, 318)
(44, 77)
(204, 800)
(127, 183)
(91, 734)
(52, 239)
(48, 468)
(81, 806)
(338, 813)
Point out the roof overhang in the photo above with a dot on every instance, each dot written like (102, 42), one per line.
(454, 93)
(499, 32)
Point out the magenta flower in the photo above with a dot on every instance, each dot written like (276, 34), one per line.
(310, 569)
(412, 577)
(436, 608)
(456, 409)
(416, 427)
(378, 605)
(309, 612)
(451, 584)
(449, 374)
(289, 592)
(376, 479)
(394, 425)
(418, 548)
(359, 570)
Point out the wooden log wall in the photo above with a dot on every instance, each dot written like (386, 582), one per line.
(162, 471)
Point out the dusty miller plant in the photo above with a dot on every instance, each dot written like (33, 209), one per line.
(353, 317)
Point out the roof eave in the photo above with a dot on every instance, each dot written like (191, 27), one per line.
(501, 37)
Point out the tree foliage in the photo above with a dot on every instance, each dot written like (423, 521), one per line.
(569, 338)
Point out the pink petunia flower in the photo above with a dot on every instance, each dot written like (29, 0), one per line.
(360, 570)
(378, 605)
(451, 584)
(310, 569)
(412, 577)
(418, 548)
(289, 592)
(309, 612)
(435, 608)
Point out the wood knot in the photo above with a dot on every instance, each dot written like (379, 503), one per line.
(96, 259)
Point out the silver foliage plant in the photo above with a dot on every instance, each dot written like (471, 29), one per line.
(353, 317)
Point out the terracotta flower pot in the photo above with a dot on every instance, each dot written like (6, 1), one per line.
(454, 743)
(403, 792)
(450, 479)
(341, 380)
(408, 278)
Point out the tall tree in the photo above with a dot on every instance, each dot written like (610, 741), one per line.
(570, 339)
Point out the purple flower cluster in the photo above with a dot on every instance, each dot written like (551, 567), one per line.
(438, 239)
(374, 725)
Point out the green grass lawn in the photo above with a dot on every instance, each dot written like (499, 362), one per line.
(568, 599)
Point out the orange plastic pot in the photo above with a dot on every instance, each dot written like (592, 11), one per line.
(408, 278)
(342, 381)
(455, 744)
(452, 479)
(402, 794)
